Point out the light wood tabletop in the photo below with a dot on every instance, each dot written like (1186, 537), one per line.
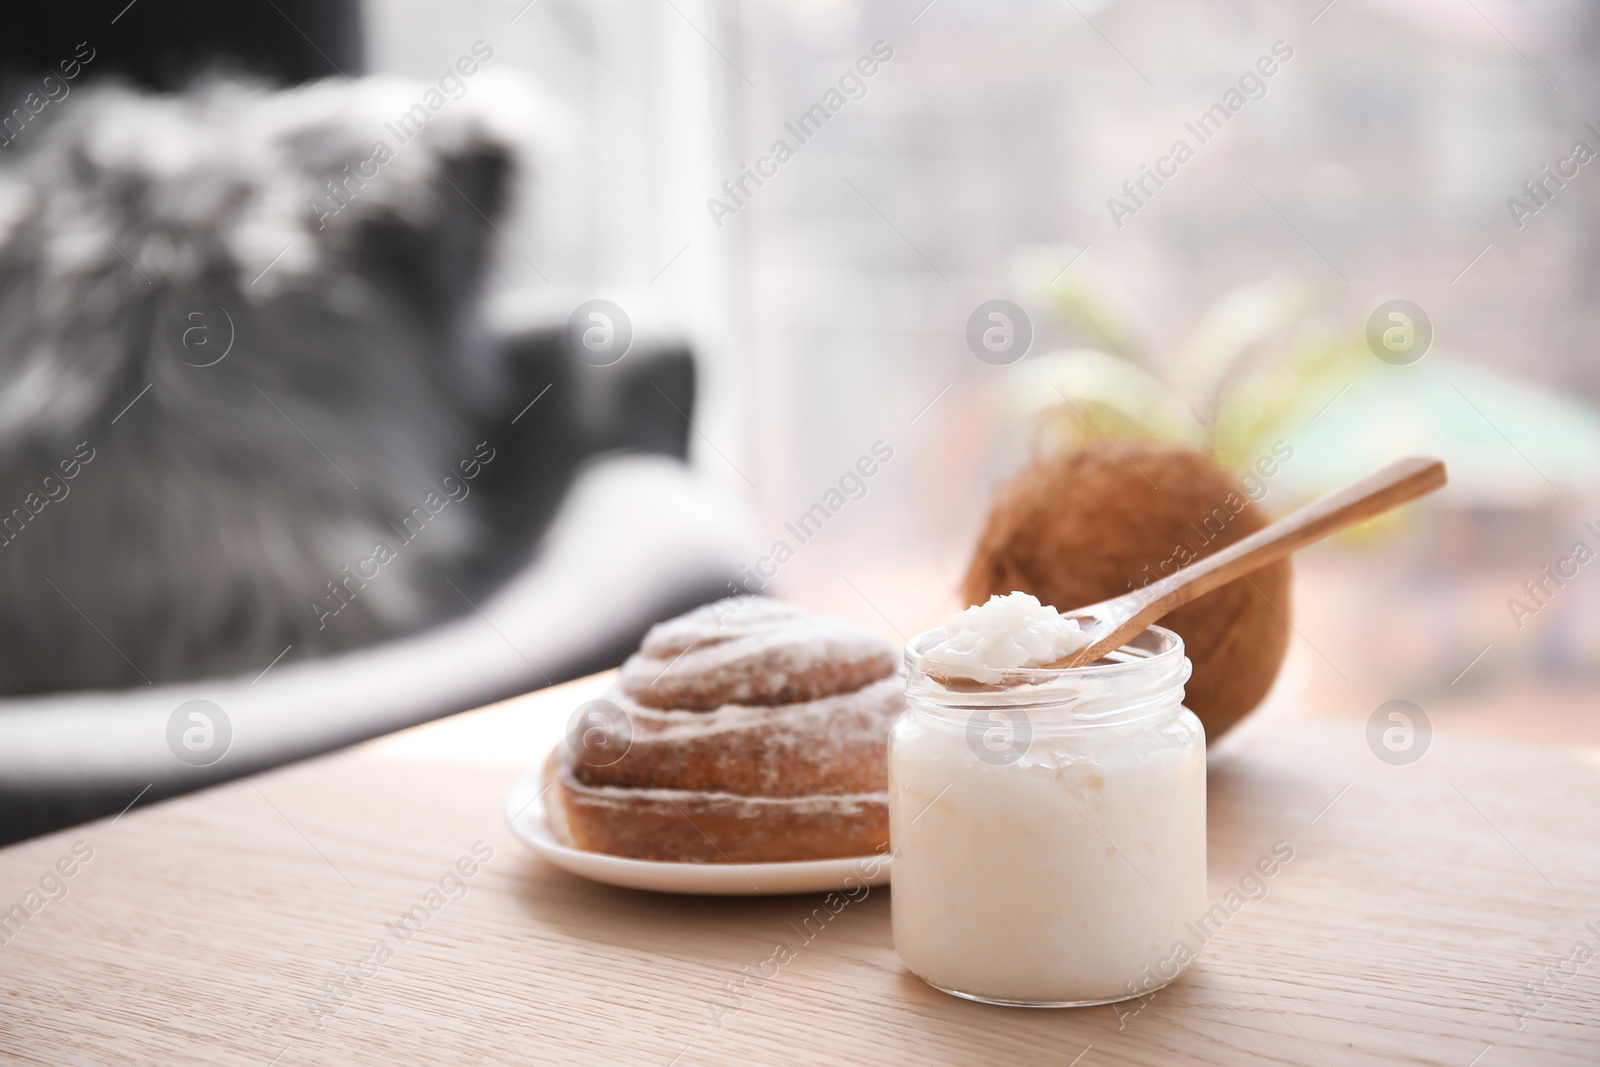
(1441, 912)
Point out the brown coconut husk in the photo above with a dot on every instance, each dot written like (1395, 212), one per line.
(1092, 524)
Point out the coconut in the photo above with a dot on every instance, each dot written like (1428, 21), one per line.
(1095, 523)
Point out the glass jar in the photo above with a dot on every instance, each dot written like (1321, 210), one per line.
(1048, 827)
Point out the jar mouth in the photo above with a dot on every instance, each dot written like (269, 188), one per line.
(1146, 672)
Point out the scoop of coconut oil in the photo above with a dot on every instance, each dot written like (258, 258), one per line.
(1006, 632)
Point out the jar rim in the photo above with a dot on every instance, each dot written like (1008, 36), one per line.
(1140, 675)
(1141, 657)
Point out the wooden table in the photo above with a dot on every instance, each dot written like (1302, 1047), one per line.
(217, 928)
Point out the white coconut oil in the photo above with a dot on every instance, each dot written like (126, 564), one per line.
(1048, 826)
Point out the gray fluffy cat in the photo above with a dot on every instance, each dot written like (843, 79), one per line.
(240, 371)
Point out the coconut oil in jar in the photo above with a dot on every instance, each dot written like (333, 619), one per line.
(1048, 825)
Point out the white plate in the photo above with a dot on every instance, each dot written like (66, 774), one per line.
(525, 812)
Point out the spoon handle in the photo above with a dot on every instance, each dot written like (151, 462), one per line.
(1128, 615)
(1399, 482)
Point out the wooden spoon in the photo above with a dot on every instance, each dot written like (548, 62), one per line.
(1110, 624)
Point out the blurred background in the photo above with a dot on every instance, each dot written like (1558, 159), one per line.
(1379, 163)
(1201, 217)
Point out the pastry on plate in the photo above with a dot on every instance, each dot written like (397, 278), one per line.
(747, 731)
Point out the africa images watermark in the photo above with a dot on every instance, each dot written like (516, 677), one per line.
(1252, 886)
(739, 992)
(1255, 483)
(1553, 577)
(52, 89)
(452, 885)
(1399, 732)
(451, 489)
(852, 485)
(342, 189)
(1542, 189)
(52, 886)
(852, 85)
(1553, 979)
(55, 490)
(1252, 86)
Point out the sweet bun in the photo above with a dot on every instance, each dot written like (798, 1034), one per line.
(746, 731)
(752, 651)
